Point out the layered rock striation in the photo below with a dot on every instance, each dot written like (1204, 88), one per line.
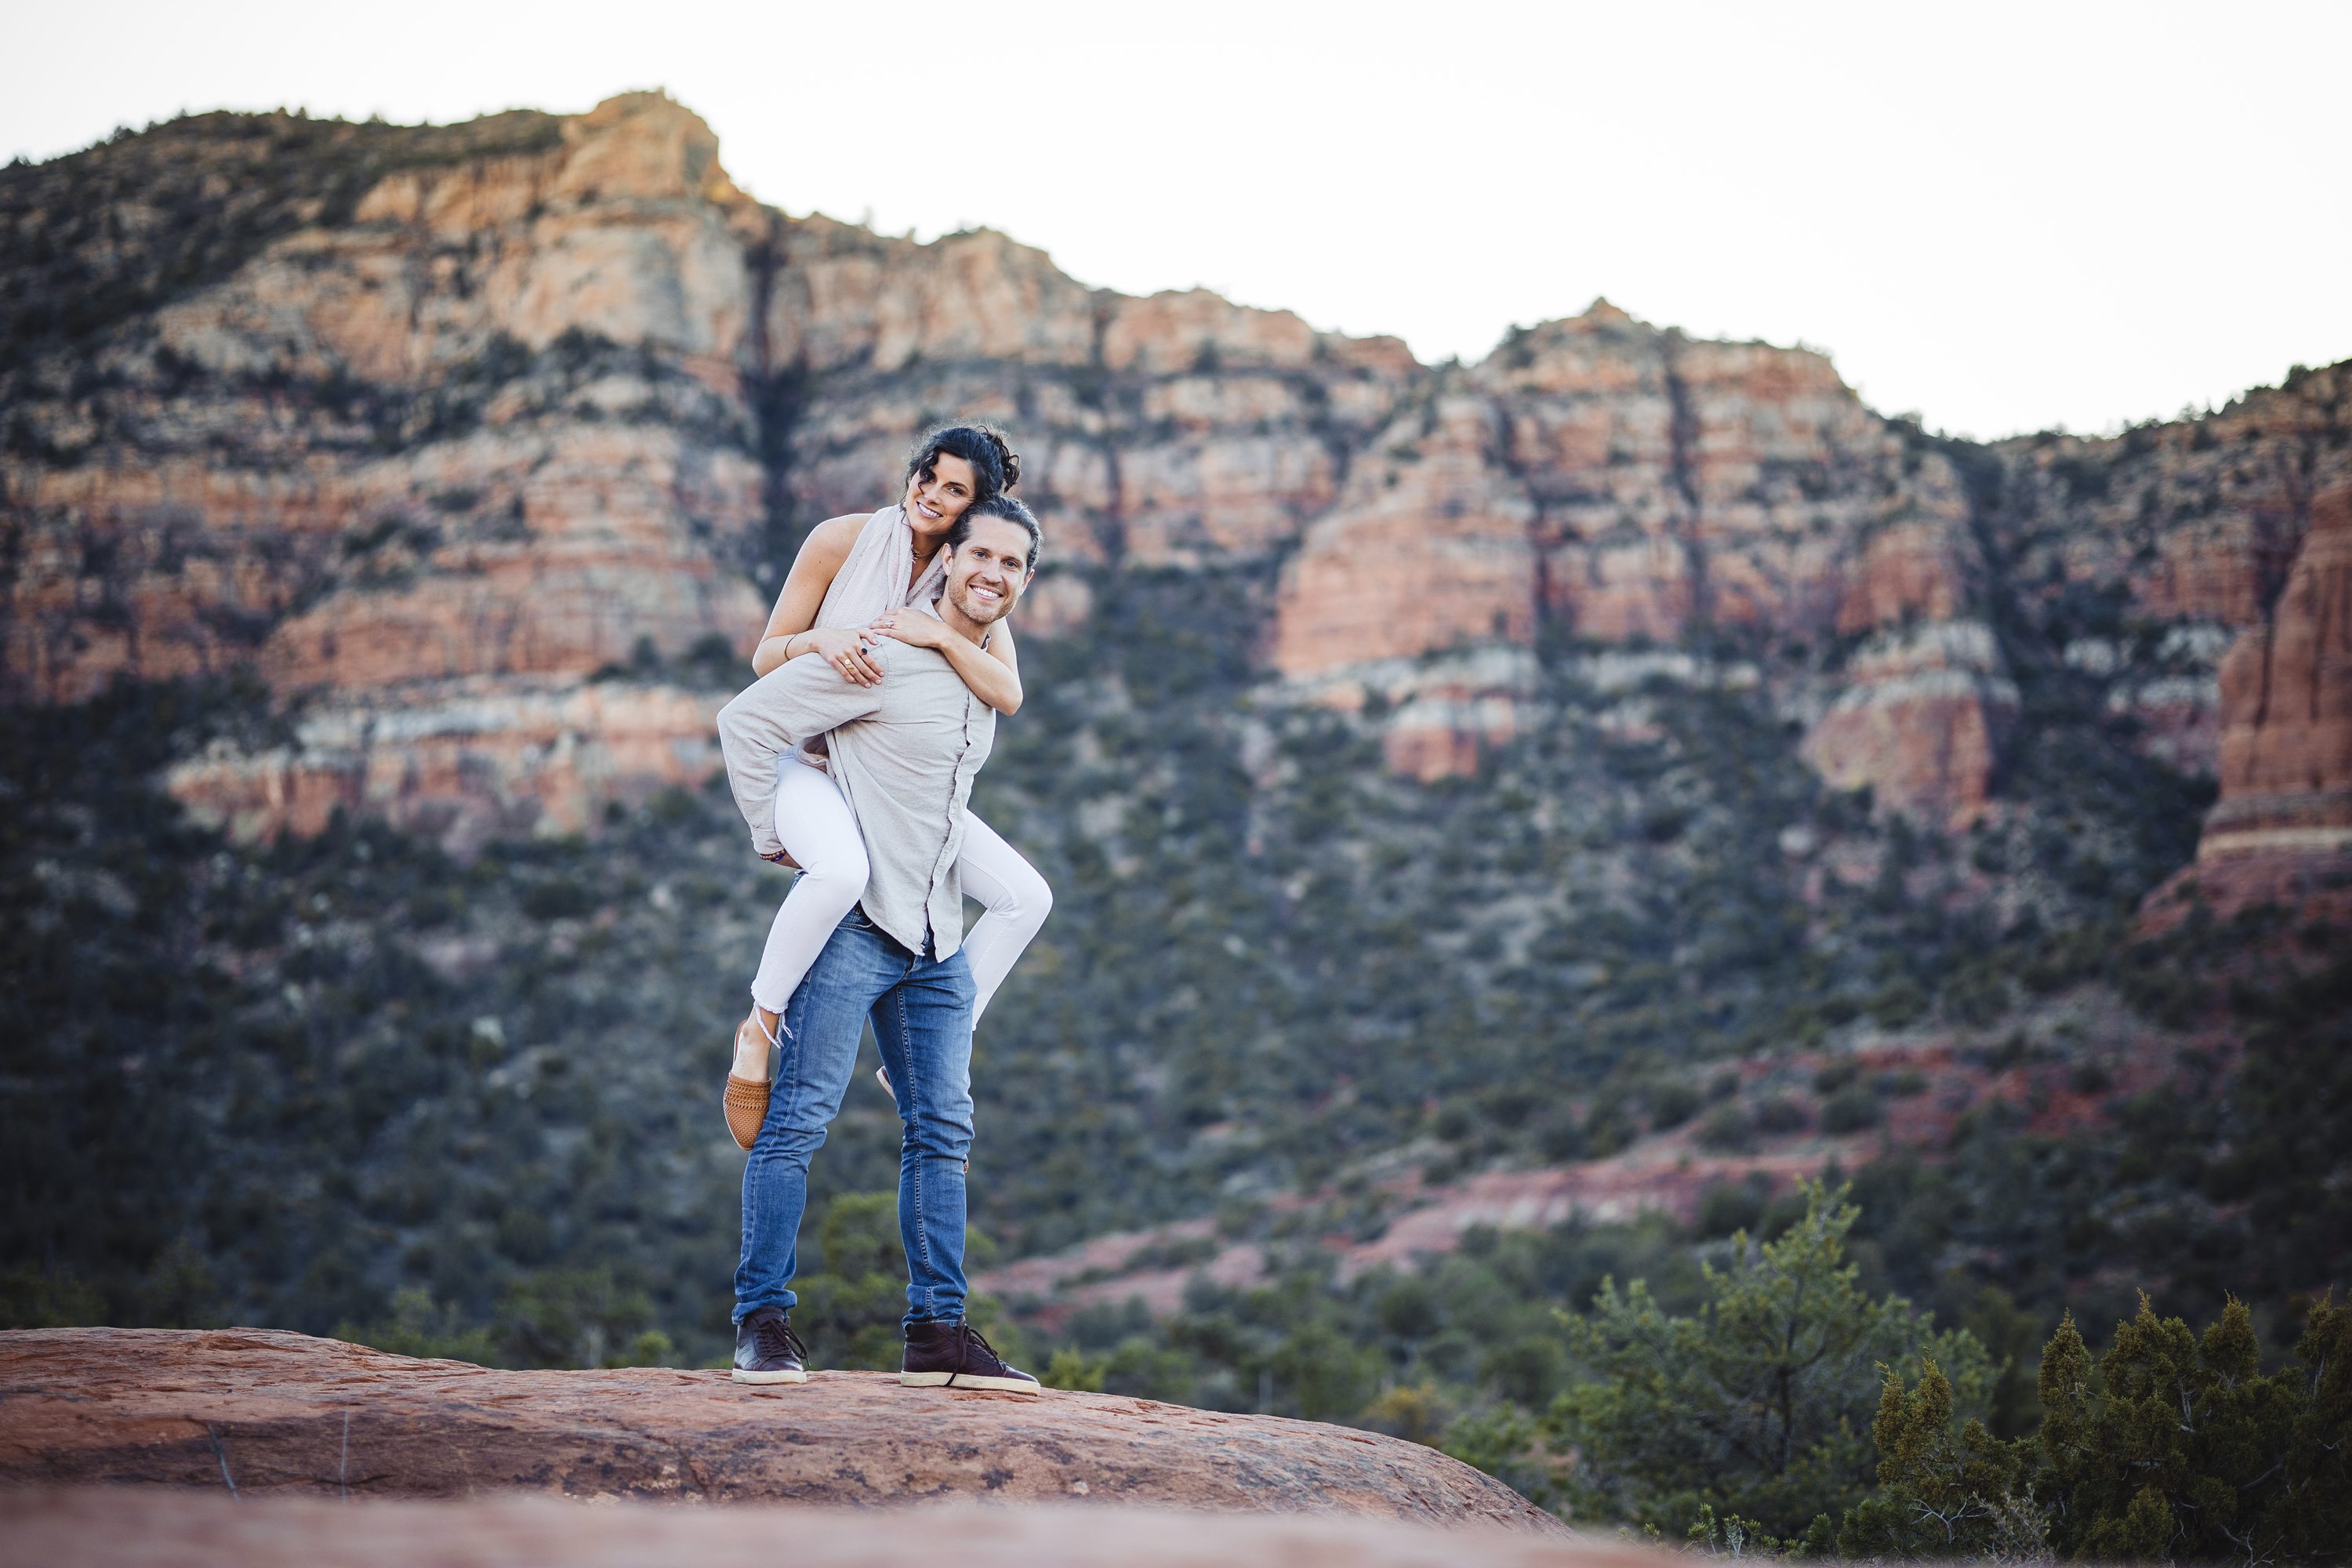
(2286, 708)
(493, 464)
(1601, 480)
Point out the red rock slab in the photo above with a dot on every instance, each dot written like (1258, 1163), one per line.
(270, 1412)
(99, 1527)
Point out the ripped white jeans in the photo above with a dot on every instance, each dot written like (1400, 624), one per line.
(818, 830)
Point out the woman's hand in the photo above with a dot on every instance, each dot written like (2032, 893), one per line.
(910, 626)
(844, 648)
(783, 857)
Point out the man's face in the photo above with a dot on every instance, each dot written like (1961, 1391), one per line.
(987, 572)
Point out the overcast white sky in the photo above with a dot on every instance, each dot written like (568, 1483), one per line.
(2002, 217)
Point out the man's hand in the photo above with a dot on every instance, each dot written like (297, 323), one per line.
(845, 650)
(910, 626)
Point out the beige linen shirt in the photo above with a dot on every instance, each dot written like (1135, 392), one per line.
(904, 751)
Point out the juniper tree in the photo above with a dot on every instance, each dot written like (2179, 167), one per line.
(2185, 1449)
(1946, 1488)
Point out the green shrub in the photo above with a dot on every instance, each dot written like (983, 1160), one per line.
(1850, 1109)
(417, 1326)
(1670, 1105)
(1903, 1084)
(1727, 1129)
(1898, 1002)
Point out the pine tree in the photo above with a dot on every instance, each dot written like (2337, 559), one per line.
(1759, 1405)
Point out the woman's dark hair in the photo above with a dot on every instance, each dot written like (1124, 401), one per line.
(995, 466)
(1002, 506)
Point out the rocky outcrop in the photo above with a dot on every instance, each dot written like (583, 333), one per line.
(1625, 484)
(404, 465)
(2286, 708)
(1919, 719)
(463, 761)
(2142, 556)
(109, 1526)
(283, 1414)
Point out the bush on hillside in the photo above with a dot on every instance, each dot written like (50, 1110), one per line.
(1758, 1401)
(1850, 1109)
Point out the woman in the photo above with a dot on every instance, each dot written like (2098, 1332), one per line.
(849, 587)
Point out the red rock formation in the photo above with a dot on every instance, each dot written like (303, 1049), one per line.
(2286, 708)
(2192, 525)
(281, 1413)
(577, 507)
(1633, 485)
(501, 424)
(105, 1526)
(436, 466)
(463, 761)
(1918, 722)
(1427, 551)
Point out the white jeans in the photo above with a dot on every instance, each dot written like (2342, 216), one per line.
(816, 825)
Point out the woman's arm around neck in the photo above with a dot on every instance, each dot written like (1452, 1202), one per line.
(993, 673)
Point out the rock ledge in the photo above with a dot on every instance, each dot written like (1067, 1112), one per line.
(265, 1412)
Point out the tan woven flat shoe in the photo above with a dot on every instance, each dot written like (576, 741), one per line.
(747, 1099)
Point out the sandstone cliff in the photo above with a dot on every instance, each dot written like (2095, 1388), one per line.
(1614, 483)
(2286, 707)
(490, 443)
(530, 411)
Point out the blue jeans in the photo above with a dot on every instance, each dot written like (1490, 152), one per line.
(921, 1013)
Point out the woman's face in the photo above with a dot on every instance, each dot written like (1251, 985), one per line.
(934, 504)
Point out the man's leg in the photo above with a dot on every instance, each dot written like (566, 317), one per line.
(825, 1017)
(924, 1026)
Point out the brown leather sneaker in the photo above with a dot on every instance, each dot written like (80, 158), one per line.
(953, 1355)
(767, 1351)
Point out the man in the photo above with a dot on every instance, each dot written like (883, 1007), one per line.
(904, 751)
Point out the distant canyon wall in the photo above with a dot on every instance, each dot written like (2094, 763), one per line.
(491, 461)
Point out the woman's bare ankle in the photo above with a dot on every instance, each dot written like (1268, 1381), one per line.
(752, 1043)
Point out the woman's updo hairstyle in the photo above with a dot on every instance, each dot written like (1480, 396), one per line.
(995, 466)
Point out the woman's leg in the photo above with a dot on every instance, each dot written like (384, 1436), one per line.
(820, 832)
(1018, 901)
